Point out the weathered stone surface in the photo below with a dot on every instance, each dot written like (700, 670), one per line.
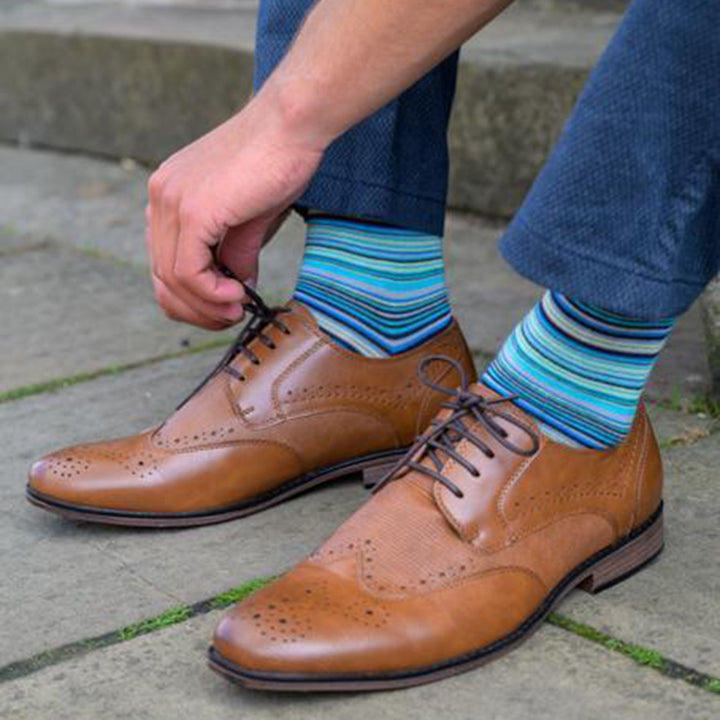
(115, 96)
(79, 201)
(65, 313)
(682, 369)
(518, 81)
(711, 306)
(65, 581)
(163, 676)
(674, 428)
(672, 605)
(594, 6)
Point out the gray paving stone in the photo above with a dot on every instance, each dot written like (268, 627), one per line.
(65, 313)
(712, 330)
(674, 428)
(163, 676)
(519, 80)
(81, 201)
(673, 605)
(64, 581)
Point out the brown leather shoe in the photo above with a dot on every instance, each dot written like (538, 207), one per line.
(480, 533)
(285, 410)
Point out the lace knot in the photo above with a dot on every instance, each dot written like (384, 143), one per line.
(439, 442)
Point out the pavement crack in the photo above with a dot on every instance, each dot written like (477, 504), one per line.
(647, 657)
(25, 391)
(171, 616)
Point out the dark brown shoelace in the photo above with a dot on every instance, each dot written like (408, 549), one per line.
(439, 441)
(261, 317)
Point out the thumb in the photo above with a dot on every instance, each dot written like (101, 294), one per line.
(240, 249)
(241, 246)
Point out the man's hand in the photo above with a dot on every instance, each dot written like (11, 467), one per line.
(233, 185)
(223, 196)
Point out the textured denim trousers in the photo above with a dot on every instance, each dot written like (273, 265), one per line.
(625, 214)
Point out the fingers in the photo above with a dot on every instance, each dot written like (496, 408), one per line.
(210, 303)
(195, 271)
(240, 249)
(177, 309)
(163, 224)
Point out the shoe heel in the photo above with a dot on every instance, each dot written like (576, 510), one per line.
(627, 560)
(371, 476)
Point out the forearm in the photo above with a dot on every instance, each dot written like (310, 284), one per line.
(353, 56)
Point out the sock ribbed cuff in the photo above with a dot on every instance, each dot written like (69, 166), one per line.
(377, 290)
(578, 369)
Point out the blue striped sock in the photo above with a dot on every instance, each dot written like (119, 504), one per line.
(375, 289)
(579, 370)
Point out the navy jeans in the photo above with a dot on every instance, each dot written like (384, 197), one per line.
(626, 213)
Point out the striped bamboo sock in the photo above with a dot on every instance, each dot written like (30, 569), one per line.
(579, 370)
(375, 289)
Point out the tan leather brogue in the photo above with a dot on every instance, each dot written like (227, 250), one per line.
(286, 409)
(480, 532)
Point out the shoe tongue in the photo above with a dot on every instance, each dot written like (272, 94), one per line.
(303, 311)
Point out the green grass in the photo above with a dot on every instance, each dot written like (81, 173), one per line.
(59, 383)
(713, 685)
(693, 405)
(173, 616)
(98, 254)
(702, 404)
(230, 597)
(180, 613)
(168, 618)
(641, 655)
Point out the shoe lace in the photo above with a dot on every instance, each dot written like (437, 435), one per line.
(262, 316)
(443, 435)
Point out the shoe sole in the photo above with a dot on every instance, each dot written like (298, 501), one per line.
(372, 468)
(602, 570)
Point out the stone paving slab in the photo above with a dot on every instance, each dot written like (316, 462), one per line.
(518, 35)
(712, 325)
(66, 313)
(673, 605)
(69, 581)
(163, 676)
(519, 80)
(80, 201)
(674, 428)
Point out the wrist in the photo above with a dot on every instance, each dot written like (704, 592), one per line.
(292, 112)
